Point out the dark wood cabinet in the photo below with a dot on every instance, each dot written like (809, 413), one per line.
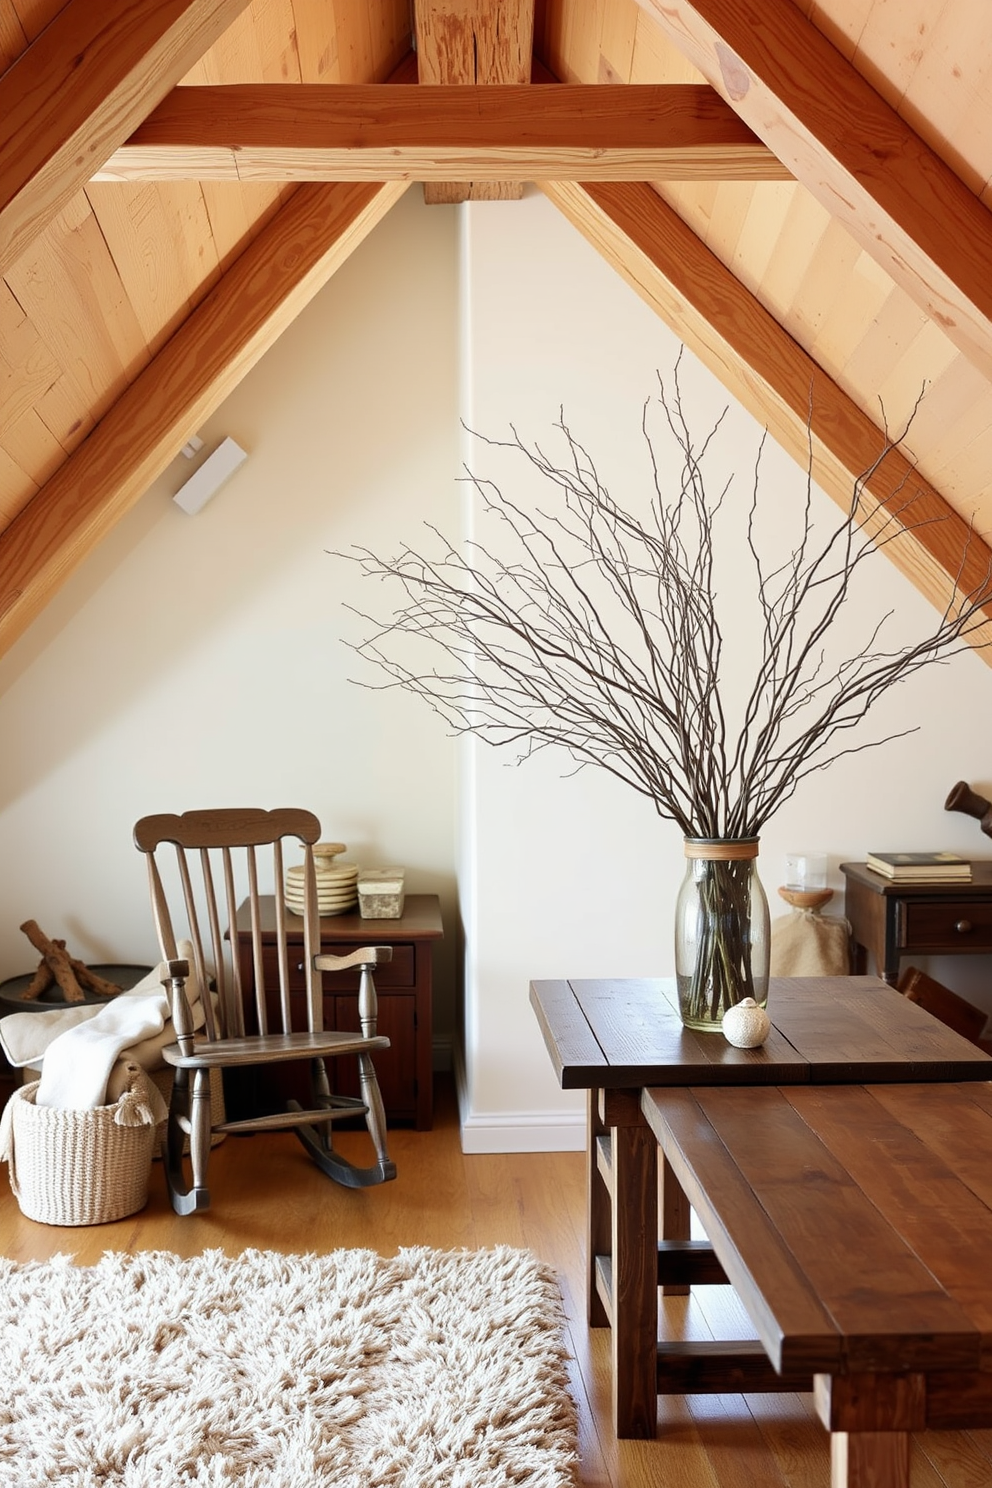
(404, 989)
(892, 919)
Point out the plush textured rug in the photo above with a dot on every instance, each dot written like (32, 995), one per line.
(434, 1369)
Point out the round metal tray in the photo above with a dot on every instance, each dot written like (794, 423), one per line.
(52, 997)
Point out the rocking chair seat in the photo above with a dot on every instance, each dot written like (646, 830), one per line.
(269, 1048)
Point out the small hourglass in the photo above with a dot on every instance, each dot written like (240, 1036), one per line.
(805, 884)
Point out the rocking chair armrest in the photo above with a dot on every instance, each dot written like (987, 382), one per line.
(365, 956)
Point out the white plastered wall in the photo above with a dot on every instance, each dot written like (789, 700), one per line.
(198, 661)
(577, 876)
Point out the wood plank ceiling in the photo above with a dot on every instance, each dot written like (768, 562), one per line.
(801, 188)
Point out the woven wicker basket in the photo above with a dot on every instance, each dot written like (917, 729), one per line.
(77, 1167)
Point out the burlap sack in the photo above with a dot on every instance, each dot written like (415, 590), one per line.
(807, 943)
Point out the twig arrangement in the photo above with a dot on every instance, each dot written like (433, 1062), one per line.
(601, 632)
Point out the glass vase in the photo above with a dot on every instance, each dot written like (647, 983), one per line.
(722, 931)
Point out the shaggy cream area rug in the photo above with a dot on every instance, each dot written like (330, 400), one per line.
(435, 1369)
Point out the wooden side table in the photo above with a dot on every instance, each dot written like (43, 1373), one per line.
(892, 920)
(404, 988)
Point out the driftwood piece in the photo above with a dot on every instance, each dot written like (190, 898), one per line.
(57, 965)
(57, 959)
(39, 983)
(89, 979)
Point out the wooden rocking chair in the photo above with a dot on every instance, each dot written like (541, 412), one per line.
(222, 845)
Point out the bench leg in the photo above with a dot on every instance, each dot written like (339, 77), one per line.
(635, 1282)
(675, 1218)
(869, 1459)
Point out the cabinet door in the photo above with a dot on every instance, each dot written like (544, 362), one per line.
(395, 1067)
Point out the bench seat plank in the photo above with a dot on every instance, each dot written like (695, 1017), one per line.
(763, 1181)
(794, 1327)
(942, 1215)
(890, 1309)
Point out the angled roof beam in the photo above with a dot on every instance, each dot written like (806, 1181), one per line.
(424, 132)
(79, 90)
(759, 363)
(473, 42)
(261, 293)
(851, 151)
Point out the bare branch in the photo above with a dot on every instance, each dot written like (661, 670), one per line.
(601, 632)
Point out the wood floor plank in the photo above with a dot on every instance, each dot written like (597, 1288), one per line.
(739, 1453)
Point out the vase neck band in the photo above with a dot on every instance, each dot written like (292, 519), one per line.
(720, 849)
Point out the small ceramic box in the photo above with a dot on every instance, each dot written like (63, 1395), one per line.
(380, 893)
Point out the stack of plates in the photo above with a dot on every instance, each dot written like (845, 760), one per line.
(337, 883)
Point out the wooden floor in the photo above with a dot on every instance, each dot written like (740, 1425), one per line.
(444, 1199)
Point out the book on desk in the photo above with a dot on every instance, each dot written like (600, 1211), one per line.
(916, 867)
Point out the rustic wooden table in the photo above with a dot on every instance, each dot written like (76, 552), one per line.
(855, 1224)
(616, 1038)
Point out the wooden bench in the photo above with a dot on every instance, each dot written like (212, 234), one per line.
(855, 1224)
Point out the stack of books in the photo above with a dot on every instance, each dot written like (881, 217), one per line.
(921, 867)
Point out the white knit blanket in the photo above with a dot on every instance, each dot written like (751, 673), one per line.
(78, 1048)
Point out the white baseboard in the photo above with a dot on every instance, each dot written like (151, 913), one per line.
(515, 1131)
(523, 1131)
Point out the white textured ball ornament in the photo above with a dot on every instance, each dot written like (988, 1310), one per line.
(746, 1025)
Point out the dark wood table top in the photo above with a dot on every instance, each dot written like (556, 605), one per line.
(855, 1222)
(623, 1034)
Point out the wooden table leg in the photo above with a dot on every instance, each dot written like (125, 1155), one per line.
(635, 1282)
(869, 1459)
(599, 1213)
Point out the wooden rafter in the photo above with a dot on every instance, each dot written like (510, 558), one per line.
(850, 150)
(477, 43)
(438, 133)
(80, 89)
(263, 291)
(771, 375)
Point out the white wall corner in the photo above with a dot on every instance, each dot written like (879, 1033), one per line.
(515, 1131)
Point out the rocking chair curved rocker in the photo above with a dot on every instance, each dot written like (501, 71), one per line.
(221, 847)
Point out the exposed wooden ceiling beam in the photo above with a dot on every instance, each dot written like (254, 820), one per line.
(440, 133)
(79, 90)
(263, 291)
(851, 150)
(475, 43)
(760, 364)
